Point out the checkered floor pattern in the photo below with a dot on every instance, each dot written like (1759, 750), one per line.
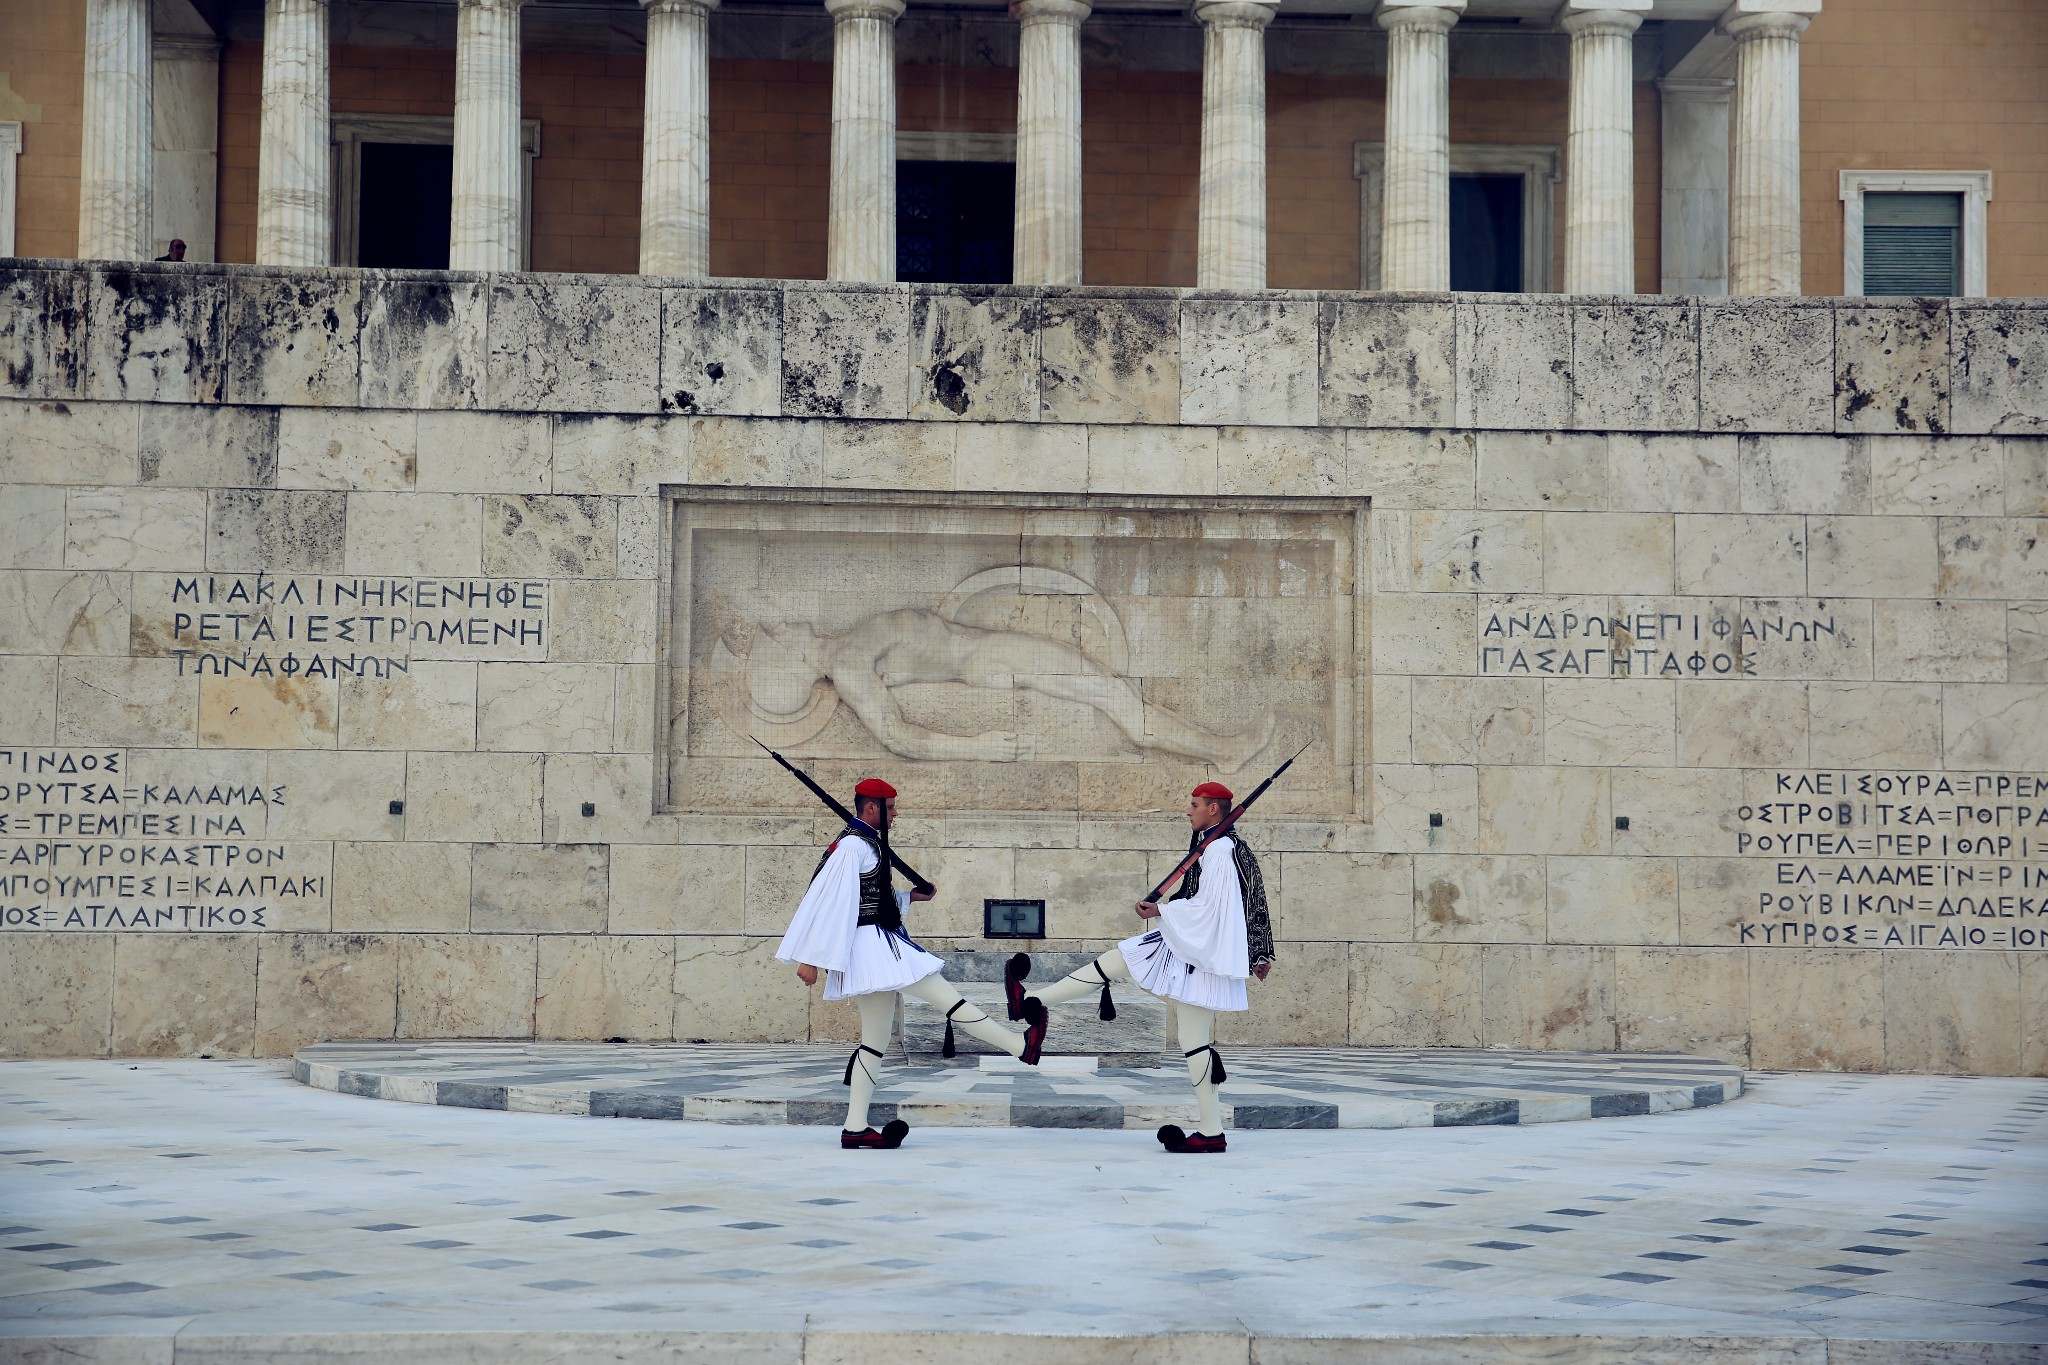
(1267, 1087)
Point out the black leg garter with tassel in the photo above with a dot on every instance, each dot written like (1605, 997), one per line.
(949, 1050)
(854, 1059)
(1106, 1011)
(1217, 1075)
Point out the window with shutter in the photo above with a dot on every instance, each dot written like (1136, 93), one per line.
(1912, 244)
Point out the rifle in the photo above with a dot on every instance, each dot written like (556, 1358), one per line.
(1222, 827)
(918, 883)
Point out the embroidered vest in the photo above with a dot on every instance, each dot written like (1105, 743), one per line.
(877, 887)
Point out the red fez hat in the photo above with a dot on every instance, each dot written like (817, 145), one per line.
(874, 786)
(1212, 791)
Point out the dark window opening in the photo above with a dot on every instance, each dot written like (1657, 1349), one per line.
(402, 205)
(954, 221)
(1486, 233)
(1913, 244)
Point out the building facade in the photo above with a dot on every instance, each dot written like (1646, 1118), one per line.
(1883, 97)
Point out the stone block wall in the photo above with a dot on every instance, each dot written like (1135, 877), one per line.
(1700, 671)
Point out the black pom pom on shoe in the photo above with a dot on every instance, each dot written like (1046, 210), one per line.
(1015, 972)
(893, 1133)
(1172, 1137)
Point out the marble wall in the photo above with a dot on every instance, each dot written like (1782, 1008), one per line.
(360, 635)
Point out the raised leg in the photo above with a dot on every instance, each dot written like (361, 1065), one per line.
(1091, 978)
(877, 1018)
(938, 992)
(1197, 1034)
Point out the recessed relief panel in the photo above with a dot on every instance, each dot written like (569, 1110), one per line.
(993, 657)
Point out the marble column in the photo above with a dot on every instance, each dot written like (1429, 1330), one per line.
(1230, 240)
(675, 157)
(1695, 197)
(1415, 234)
(860, 233)
(1048, 230)
(117, 151)
(1763, 211)
(184, 186)
(1600, 149)
(294, 200)
(487, 216)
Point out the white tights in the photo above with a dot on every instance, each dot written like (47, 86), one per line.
(878, 1019)
(1197, 1029)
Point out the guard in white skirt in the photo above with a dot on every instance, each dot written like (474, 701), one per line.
(850, 926)
(1210, 936)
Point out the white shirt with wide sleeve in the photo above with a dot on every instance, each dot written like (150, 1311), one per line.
(825, 931)
(1207, 929)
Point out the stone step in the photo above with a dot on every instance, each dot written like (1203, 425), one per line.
(1047, 1065)
(1136, 1037)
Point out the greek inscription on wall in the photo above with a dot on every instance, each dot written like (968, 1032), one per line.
(87, 844)
(229, 625)
(1895, 860)
(1651, 643)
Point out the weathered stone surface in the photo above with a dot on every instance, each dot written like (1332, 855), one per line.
(1877, 556)
(1689, 1000)
(721, 351)
(845, 351)
(1543, 810)
(1636, 366)
(207, 447)
(539, 888)
(1415, 995)
(485, 798)
(1388, 362)
(611, 988)
(1952, 1013)
(1944, 477)
(1613, 900)
(1411, 469)
(558, 536)
(156, 335)
(484, 452)
(1767, 364)
(126, 701)
(422, 340)
(973, 354)
(1939, 641)
(184, 995)
(1475, 552)
(1110, 359)
(1532, 996)
(1477, 720)
(68, 443)
(1012, 455)
(619, 455)
(1817, 1009)
(1875, 725)
(1248, 360)
(1995, 726)
(267, 713)
(562, 346)
(465, 985)
(63, 613)
(1804, 474)
(433, 534)
(346, 448)
(2000, 353)
(1729, 555)
(1676, 473)
(401, 888)
(30, 685)
(278, 531)
(1988, 557)
(294, 337)
(135, 528)
(1892, 366)
(1610, 722)
(315, 987)
(887, 455)
(677, 889)
(1356, 897)
(1307, 997)
(1741, 724)
(602, 622)
(1479, 900)
(1147, 459)
(60, 993)
(1595, 552)
(734, 989)
(1514, 364)
(1543, 471)
(42, 332)
(545, 708)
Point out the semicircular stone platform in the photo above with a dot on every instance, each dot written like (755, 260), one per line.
(794, 1084)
